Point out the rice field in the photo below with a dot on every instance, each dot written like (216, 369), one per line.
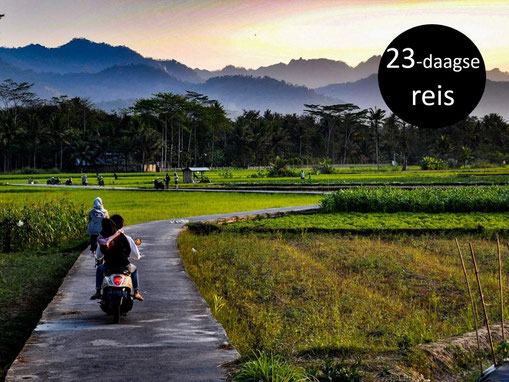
(238, 177)
(307, 297)
(377, 222)
(138, 206)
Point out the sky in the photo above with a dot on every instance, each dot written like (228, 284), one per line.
(252, 33)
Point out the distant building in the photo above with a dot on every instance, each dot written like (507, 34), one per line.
(191, 172)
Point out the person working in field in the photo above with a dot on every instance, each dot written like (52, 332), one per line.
(115, 249)
(167, 179)
(95, 217)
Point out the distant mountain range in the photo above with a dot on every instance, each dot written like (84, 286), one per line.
(311, 73)
(84, 56)
(365, 93)
(119, 85)
(113, 76)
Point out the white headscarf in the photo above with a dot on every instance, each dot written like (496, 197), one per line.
(98, 203)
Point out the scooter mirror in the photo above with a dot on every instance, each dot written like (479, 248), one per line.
(137, 241)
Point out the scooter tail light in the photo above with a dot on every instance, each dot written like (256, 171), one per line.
(117, 280)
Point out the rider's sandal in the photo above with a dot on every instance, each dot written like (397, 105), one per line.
(96, 295)
(138, 296)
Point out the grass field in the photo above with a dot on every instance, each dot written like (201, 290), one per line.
(138, 206)
(240, 177)
(308, 296)
(357, 221)
(28, 282)
(421, 199)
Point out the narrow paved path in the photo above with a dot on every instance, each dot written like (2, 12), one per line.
(171, 336)
(499, 374)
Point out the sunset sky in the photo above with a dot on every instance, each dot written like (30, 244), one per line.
(212, 34)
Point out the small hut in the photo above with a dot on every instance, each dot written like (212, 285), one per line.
(193, 173)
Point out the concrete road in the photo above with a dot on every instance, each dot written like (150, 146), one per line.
(171, 336)
(498, 374)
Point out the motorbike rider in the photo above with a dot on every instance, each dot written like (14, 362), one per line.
(115, 248)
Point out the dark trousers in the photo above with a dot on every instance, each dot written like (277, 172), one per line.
(93, 242)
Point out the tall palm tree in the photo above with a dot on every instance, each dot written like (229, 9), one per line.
(375, 117)
(148, 141)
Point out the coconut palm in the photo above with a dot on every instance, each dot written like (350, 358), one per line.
(375, 117)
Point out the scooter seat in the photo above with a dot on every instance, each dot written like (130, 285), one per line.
(122, 270)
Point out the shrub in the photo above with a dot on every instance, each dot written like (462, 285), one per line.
(459, 199)
(40, 224)
(431, 163)
(268, 368)
(325, 166)
(258, 174)
(481, 163)
(337, 371)
(280, 169)
(227, 174)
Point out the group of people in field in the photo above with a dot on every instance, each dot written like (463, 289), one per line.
(110, 246)
(167, 180)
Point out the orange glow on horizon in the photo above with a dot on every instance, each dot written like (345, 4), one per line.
(211, 34)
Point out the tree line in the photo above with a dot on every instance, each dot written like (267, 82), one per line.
(180, 130)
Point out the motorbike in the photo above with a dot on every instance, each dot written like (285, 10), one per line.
(101, 181)
(53, 180)
(158, 185)
(68, 182)
(117, 291)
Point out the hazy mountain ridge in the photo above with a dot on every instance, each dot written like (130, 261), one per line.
(497, 75)
(365, 93)
(311, 73)
(112, 76)
(114, 86)
(242, 92)
(84, 56)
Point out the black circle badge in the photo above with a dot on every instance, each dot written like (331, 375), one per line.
(432, 76)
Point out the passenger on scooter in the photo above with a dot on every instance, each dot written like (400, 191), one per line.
(115, 248)
(95, 217)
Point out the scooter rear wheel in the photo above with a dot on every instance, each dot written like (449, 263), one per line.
(116, 314)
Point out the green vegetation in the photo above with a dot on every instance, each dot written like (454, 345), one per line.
(308, 295)
(142, 206)
(264, 367)
(39, 241)
(235, 177)
(176, 131)
(373, 222)
(465, 199)
(40, 223)
(431, 163)
(28, 282)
